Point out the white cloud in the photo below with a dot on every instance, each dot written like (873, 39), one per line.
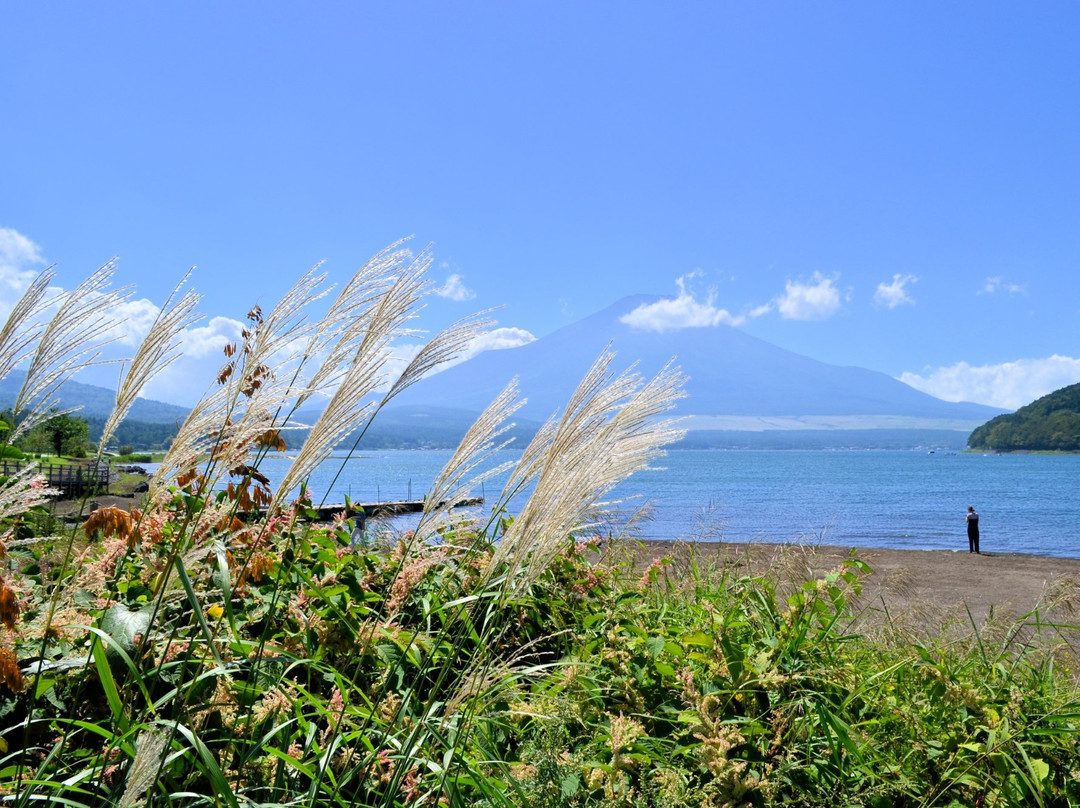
(895, 294)
(494, 340)
(1009, 385)
(133, 320)
(498, 339)
(682, 311)
(998, 284)
(455, 289)
(211, 339)
(18, 258)
(817, 300)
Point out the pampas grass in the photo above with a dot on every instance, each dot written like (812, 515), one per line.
(158, 349)
(612, 428)
(461, 474)
(69, 342)
(21, 329)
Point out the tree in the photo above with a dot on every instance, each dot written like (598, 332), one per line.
(61, 434)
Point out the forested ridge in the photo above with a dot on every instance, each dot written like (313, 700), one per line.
(1051, 423)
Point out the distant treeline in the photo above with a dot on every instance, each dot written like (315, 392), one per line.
(1048, 424)
(824, 439)
(136, 434)
(148, 436)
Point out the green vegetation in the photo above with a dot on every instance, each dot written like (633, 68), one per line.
(178, 654)
(289, 666)
(141, 434)
(56, 433)
(1049, 424)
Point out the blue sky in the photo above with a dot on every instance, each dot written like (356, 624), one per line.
(888, 185)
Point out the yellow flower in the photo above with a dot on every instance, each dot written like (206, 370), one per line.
(215, 611)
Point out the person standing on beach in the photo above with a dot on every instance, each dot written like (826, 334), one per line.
(973, 531)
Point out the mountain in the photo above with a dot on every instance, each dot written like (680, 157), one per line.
(149, 425)
(743, 392)
(736, 381)
(97, 402)
(1048, 424)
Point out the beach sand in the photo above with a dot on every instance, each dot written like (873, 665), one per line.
(931, 589)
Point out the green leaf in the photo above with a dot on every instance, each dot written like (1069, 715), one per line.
(569, 786)
(655, 646)
(123, 625)
(1039, 767)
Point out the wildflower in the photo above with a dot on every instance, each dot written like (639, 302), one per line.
(215, 611)
(624, 731)
(410, 786)
(109, 521)
(409, 576)
(651, 574)
(9, 606)
(274, 701)
(10, 675)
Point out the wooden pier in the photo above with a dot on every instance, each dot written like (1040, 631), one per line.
(376, 510)
(71, 479)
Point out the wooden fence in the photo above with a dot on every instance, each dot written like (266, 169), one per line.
(72, 479)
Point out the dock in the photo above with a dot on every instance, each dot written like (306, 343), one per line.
(376, 510)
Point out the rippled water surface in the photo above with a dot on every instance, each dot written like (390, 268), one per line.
(906, 500)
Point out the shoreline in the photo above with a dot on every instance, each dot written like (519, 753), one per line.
(940, 585)
(949, 583)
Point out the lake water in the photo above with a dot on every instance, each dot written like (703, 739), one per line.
(897, 499)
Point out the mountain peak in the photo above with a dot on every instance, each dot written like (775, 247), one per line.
(731, 373)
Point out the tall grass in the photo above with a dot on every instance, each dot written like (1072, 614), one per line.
(216, 646)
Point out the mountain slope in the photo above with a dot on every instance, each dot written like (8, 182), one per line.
(97, 402)
(1050, 423)
(731, 373)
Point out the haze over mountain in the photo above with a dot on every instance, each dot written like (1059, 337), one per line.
(738, 386)
(736, 381)
(97, 402)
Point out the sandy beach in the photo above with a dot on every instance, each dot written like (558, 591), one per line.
(935, 588)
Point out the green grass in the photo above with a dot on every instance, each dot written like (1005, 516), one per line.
(308, 672)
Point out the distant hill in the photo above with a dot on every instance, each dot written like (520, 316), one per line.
(731, 374)
(150, 424)
(1048, 424)
(94, 401)
(412, 427)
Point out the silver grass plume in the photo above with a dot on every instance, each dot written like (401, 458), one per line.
(21, 329)
(611, 429)
(346, 321)
(25, 489)
(192, 440)
(476, 448)
(227, 418)
(68, 343)
(151, 747)
(440, 349)
(275, 337)
(158, 349)
(346, 409)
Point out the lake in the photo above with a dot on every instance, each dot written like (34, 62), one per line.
(896, 499)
